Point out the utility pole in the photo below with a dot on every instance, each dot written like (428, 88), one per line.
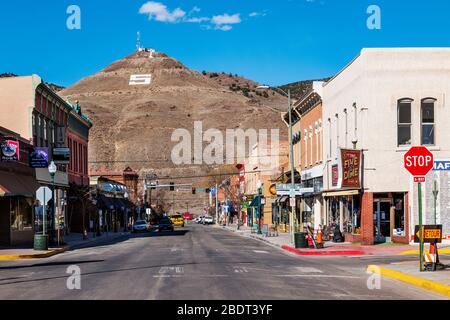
(144, 189)
(217, 203)
(291, 155)
(420, 227)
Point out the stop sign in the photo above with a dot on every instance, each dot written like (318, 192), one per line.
(419, 161)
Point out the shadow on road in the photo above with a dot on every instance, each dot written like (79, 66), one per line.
(50, 264)
(122, 270)
(107, 242)
(168, 234)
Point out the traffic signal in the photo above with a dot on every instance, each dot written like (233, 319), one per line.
(172, 186)
(194, 191)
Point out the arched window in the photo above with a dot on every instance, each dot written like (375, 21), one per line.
(427, 121)
(404, 122)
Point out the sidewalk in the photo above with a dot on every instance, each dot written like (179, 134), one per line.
(408, 272)
(333, 249)
(73, 241)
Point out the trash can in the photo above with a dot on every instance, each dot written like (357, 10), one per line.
(40, 242)
(300, 240)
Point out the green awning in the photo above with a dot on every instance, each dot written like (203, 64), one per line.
(256, 201)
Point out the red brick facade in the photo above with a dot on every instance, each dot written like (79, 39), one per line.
(367, 219)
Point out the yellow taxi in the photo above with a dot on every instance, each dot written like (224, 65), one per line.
(177, 220)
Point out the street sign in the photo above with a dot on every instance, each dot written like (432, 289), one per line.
(292, 202)
(431, 234)
(292, 193)
(419, 161)
(44, 195)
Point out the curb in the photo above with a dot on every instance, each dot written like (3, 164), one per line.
(412, 280)
(324, 252)
(54, 252)
(417, 252)
(34, 256)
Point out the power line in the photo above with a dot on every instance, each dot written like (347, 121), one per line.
(168, 160)
(209, 175)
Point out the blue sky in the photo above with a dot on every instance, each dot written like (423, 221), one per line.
(271, 41)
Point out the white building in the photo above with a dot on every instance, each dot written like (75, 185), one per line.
(384, 102)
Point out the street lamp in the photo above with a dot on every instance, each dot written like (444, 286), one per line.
(125, 214)
(52, 171)
(259, 206)
(291, 155)
(435, 196)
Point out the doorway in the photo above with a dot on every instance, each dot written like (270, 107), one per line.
(382, 220)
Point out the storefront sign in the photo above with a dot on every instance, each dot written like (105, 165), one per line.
(61, 155)
(335, 175)
(442, 165)
(39, 158)
(351, 168)
(10, 151)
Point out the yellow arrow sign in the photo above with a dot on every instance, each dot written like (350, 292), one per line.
(418, 233)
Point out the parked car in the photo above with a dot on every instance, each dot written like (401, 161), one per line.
(165, 224)
(188, 216)
(198, 219)
(177, 220)
(208, 220)
(140, 226)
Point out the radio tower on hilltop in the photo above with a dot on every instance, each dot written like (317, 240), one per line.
(138, 42)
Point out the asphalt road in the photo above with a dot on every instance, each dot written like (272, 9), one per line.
(197, 262)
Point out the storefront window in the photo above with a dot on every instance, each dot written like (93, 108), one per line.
(356, 215)
(21, 214)
(399, 207)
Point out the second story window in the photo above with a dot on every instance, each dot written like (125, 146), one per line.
(427, 122)
(404, 122)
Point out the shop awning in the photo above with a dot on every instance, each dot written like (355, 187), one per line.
(106, 202)
(122, 204)
(13, 184)
(255, 202)
(282, 199)
(341, 193)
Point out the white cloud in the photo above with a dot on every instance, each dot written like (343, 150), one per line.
(197, 19)
(195, 10)
(226, 19)
(159, 12)
(224, 27)
(257, 14)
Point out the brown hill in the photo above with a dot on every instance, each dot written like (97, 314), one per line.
(133, 125)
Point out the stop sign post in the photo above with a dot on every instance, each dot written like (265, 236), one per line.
(44, 195)
(419, 162)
